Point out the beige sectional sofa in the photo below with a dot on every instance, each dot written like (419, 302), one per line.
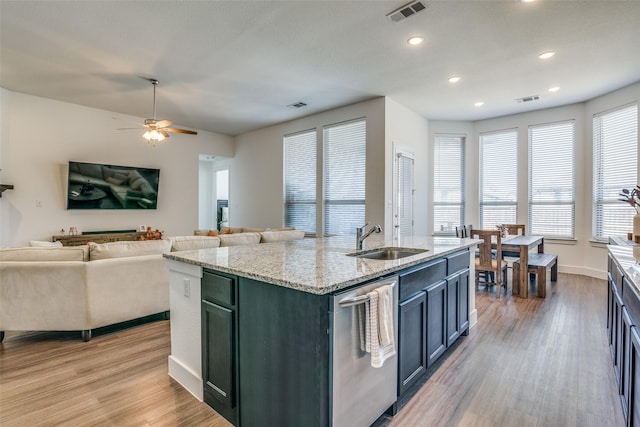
(87, 287)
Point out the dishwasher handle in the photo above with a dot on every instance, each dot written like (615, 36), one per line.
(349, 302)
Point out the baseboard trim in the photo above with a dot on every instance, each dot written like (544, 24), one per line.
(583, 271)
(186, 377)
(473, 318)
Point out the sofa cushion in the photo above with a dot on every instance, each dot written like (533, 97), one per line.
(128, 248)
(69, 253)
(187, 243)
(45, 244)
(281, 236)
(239, 239)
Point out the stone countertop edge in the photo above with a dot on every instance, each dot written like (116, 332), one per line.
(628, 257)
(316, 265)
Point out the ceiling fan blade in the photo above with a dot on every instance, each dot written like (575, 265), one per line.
(176, 130)
(165, 134)
(163, 123)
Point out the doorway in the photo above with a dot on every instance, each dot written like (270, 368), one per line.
(213, 197)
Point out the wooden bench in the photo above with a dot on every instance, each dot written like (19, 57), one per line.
(538, 264)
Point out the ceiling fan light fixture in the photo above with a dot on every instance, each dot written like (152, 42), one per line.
(153, 136)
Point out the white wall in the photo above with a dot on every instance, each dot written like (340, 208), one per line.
(38, 138)
(256, 179)
(408, 131)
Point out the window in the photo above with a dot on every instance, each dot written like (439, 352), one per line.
(498, 178)
(448, 183)
(615, 166)
(344, 177)
(300, 181)
(552, 180)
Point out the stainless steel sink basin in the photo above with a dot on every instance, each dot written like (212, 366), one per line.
(385, 254)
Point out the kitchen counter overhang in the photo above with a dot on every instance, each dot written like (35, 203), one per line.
(317, 265)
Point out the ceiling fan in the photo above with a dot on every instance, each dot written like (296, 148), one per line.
(158, 130)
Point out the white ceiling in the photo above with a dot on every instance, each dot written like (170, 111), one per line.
(234, 66)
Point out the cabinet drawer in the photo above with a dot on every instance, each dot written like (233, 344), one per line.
(217, 288)
(457, 262)
(418, 278)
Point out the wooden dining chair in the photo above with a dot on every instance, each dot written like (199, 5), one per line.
(493, 266)
(515, 229)
(463, 231)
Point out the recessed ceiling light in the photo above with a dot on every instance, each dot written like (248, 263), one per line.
(454, 79)
(479, 104)
(527, 1)
(554, 89)
(415, 40)
(546, 55)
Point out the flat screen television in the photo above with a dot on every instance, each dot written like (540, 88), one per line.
(101, 186)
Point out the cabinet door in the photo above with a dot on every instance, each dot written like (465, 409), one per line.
(633, 411)
(617, 336)
(453, 312)
(412, 361)
(625, 348)
(219, 358)
(436, 321)
(463, 303)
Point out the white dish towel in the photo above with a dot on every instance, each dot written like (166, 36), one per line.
(379, 330)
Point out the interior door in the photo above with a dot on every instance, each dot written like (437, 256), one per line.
(403, 217)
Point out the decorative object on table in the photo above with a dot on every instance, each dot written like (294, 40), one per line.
(504, 230)
(87, 188)
(632, 197)
(152, 235)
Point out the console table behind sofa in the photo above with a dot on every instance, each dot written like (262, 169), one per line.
(84, 239)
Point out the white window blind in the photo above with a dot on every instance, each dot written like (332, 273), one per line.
(344, 177)
(615, 166)
(498, 178)
(300, 181)
(552, 180)
(448, 183)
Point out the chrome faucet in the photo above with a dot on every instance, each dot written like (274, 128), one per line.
(361, 235)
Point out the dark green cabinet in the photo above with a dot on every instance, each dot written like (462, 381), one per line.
(623, 312)
(433, 311)
(412, 340)
(436, 321)
(220, 344)
(633, 410)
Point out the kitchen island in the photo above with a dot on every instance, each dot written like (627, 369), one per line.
(252, 328)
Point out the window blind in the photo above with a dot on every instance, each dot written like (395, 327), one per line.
(344, 177)
(615, 166)
(498, 178)
(448, 183)
(300, 181)
(552, 180)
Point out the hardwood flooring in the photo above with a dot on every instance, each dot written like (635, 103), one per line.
(534, 362)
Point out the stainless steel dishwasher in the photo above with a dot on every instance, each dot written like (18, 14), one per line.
(361, 393)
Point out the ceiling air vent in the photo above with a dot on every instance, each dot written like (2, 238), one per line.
(297, 105)
(528, 99)
(406, 11)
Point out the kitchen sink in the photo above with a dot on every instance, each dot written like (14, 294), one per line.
(385, 254)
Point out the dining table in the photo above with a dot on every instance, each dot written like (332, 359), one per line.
(522, 245)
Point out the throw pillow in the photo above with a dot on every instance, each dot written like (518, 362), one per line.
(212, 233)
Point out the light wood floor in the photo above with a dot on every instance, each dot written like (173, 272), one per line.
(534, 362)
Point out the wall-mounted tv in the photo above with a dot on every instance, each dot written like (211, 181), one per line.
(100, 186)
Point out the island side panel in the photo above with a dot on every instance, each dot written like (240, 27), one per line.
(284, 356)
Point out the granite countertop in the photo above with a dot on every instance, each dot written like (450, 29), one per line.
(629, 258)
(317, 265)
